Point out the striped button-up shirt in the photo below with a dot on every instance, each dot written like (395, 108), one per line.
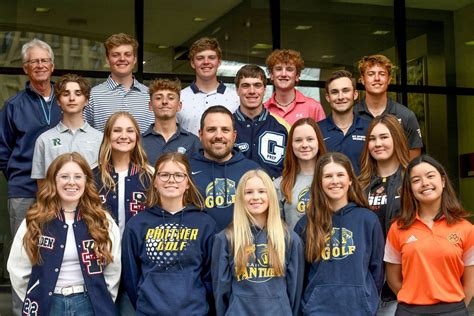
(110, 97)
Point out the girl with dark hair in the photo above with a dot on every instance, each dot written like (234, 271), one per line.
(257, 264)
(305, 146)
(67, 250)
(383, 161)
(343, 244)
(430, 247)
(167, 247)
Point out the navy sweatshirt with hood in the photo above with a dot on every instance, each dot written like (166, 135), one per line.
(218, 182)
(258, 291)
(349, 277)
(166, 260)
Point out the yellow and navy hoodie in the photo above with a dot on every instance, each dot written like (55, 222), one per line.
(349, 277)
(166, 261)
(35, 284)
(257, 291)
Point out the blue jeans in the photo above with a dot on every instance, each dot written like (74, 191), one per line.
(72, 305)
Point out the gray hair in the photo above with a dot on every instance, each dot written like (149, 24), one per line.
(36, 43)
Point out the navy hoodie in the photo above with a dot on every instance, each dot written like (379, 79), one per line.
(218, 182)
(349, 277)
(258, 291)
(166, 260)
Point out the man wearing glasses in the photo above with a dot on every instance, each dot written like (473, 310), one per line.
(24, 117)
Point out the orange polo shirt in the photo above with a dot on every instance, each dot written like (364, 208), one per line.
(432, 259)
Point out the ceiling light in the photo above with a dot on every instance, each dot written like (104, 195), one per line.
(163, 46)
(255, 52)
(42, 9)
(327, 56)
(199, 19)
(262, 46)
(303, 27)
(144, 62)
(380, 32)
(469, 43)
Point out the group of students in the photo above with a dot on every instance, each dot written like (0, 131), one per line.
(312, 242)
(124, 223)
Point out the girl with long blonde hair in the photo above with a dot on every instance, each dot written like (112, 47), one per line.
(123, 174)
(257, 263)
(343, 243)
(167, 247)
(67, 249)
(305, 145)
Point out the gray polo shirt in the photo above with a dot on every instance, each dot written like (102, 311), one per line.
(60, 140)
(405, 116)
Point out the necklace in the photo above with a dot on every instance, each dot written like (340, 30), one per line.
(285, 105)
(344, 127)
(69, 212)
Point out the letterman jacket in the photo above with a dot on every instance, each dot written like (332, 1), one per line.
(263, 140)
(35, 283)
(393, 197)
(135, 193)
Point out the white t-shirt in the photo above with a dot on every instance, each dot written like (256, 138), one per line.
(70, 273)
(121, 200)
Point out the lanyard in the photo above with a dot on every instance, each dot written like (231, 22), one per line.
(44, 105)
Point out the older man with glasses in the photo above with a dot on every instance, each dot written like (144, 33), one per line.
(23, 118)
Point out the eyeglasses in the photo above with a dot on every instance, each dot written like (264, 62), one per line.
(71, 177)
(177, 176)
(36, 62)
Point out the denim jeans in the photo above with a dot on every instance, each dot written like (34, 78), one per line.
(72, 305)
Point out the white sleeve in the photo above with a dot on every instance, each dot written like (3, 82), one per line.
(113, 270)
(19, 265)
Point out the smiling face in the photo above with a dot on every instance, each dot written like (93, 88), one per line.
(427, 184)
(121, 60)
(165, 104)
(166, 182)
(381, 143)
(256, 199)
(72, 100)
(206, 63)
(375, 80)
(70, 184)
(284, 76)
(341, 95)
(305, 142)
(123, 136)
(251, 92)
(38, 66)
(218, 137)
(335, 183)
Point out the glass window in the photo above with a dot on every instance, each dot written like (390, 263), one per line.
(242, 28)
(75, 30)
(335, 34)
(466, 146)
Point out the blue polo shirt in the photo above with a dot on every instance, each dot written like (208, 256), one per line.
(351, 144)
(182, 141)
